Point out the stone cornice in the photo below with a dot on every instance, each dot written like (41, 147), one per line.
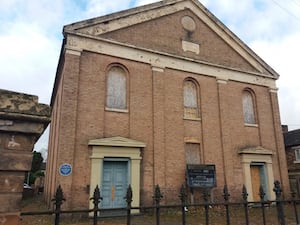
(83, 42)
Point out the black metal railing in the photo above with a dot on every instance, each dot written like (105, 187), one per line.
(206, 204)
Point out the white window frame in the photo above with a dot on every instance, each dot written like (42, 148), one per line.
(297, 154)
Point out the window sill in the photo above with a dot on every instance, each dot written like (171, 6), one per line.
(296, 162)
(250, 125)
(194, 119)
(116, 110)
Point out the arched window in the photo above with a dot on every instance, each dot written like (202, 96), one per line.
(248, 107)
(116, 88)
(190, 99)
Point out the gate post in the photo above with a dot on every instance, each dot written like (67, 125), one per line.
(280, 212)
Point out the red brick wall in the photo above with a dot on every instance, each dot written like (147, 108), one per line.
(167, 33)
(155, 117)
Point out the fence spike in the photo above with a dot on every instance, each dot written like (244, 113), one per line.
(261, 193)
(245, 198)
(157, 197)
(277, 189)
(206, 195)
(96, 197)
(279, 205)
(157, 194)
(58, 201)
(59, 197)
(245, 193)
(226, 193)
(182, 194)
(128, 196)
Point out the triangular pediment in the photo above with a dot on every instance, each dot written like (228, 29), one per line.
(117, 141)
(161, 27)
(256, 150)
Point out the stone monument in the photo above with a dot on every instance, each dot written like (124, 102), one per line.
(22, 122)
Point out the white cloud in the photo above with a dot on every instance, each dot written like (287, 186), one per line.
(97, 8)
(29, 59)
(283, 55)
(144, 2)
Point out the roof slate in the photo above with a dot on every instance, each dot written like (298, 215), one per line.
(292, 138)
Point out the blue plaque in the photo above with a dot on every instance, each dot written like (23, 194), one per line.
(65, 169)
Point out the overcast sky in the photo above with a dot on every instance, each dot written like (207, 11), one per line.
(31, 36)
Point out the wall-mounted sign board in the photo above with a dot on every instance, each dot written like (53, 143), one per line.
(201, 175)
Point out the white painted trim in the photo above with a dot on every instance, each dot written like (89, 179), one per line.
(250, 125)
(116, 110)
(157, 69)
(73, 52)
(222, 81)
(193, 119)
(273, 90)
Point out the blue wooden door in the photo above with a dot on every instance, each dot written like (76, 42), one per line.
(114, 184)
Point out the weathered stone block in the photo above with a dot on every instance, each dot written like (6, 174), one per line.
(11, 182)
(19, 141)
(22, 122)
(15, 161)
(10, 219)
(10, 202)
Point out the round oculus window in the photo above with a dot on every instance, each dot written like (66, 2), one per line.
(188, 23)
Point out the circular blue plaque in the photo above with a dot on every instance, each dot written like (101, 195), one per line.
(65, 169)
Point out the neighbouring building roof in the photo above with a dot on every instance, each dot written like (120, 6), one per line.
(292, 138)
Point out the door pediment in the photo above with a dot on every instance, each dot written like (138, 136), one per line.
(117, 142)
(256, 150)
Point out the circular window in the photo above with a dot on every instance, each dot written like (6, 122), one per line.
(188, 23)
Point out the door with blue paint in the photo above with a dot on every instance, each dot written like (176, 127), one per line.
(114, 184)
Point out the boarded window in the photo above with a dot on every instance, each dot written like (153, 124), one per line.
(192, 153)
(248, 108)
(190, 99)
(116, 88)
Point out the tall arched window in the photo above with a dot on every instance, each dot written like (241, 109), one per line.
(190, 99)
(116, 88)
(248, 107)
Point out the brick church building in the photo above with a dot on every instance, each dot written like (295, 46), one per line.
(142, 94)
